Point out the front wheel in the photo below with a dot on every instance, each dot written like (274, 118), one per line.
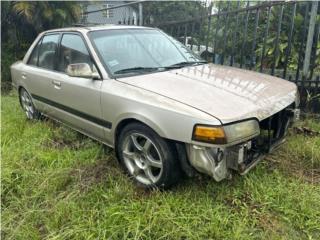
(148, 159)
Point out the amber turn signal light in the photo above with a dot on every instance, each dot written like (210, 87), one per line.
(209, 134)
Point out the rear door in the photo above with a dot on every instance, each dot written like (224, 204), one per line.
(76, 100)
(39, 71)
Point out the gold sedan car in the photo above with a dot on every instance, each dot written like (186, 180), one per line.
(164, 110)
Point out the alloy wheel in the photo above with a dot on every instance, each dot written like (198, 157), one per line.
(142, 158)
(26, 103)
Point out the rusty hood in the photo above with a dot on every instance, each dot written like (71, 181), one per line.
(227, 93)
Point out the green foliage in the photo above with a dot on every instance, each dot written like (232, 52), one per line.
(57, 184)
(21, 21)
(48, 14)
(158, 12)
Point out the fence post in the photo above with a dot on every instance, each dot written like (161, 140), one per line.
(306, 62)
(140, 14)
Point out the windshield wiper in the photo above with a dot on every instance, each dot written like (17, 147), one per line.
(184, 64)
(136, 69)
(151, 69)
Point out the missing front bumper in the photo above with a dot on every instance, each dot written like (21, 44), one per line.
(219, 162)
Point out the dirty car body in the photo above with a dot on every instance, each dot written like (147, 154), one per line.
(98, 80)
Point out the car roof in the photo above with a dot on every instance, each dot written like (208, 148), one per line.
(96, 28)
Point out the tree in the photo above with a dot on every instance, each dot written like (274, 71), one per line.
(22, 21)
(48, 14)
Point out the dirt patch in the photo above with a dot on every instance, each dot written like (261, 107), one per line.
(293, 168)
(245, 199)
(60, 143)
(63, 137)
(90, 175)
(306, 131)
(271, 223)
(43, 231)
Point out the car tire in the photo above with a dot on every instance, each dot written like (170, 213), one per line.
(27, 105)
(149, 159)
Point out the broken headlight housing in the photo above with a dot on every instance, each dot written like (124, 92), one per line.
(228, 133)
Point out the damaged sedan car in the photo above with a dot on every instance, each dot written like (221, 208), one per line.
(164, 110)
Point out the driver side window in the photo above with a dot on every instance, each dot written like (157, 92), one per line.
(73, 50)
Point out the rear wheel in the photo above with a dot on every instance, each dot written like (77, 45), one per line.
(27, 105)
(147, 158)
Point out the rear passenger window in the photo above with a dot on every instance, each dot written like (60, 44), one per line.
(73, 50)
(33, 60)
(47, 51)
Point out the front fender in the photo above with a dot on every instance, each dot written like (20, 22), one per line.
(140, 118)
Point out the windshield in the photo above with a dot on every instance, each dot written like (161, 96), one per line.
(133, 51)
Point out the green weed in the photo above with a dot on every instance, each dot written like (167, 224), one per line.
(58, 184)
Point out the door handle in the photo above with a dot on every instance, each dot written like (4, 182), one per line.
(24, 75)
(56, 84)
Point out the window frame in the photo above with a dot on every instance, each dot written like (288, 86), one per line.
(55, 62)
(40, 41)
(57, 54)
(86, 46)
(38, 44)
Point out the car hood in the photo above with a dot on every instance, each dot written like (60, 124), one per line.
(227, 93)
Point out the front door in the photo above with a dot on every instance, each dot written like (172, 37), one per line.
(76, 100)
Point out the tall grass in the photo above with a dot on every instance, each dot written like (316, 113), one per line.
(58, 184)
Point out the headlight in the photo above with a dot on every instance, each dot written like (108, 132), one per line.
(226, 134)
(238, 131)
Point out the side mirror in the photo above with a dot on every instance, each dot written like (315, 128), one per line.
(82, 70)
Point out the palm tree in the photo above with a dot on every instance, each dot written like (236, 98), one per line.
(48, 14)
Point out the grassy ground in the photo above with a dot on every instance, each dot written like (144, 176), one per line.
(58, 184)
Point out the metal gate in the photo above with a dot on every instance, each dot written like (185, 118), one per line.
(278, 38)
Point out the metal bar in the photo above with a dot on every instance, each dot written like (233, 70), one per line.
(234, 39)
(245, 36)
(192, 34)
(253, 55)
(199, 35)
(225, 35)
(266, 33)
(312, 81)
(309, 83)
(140, 13)
(312, 23)
(171, 30)
(314, 55)
(304, 31)
(263, 5)
(269, 132)
(275, 56)
(185, 34)
(288, 50)
(200, 27)
(215, 35)
(208, 29)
